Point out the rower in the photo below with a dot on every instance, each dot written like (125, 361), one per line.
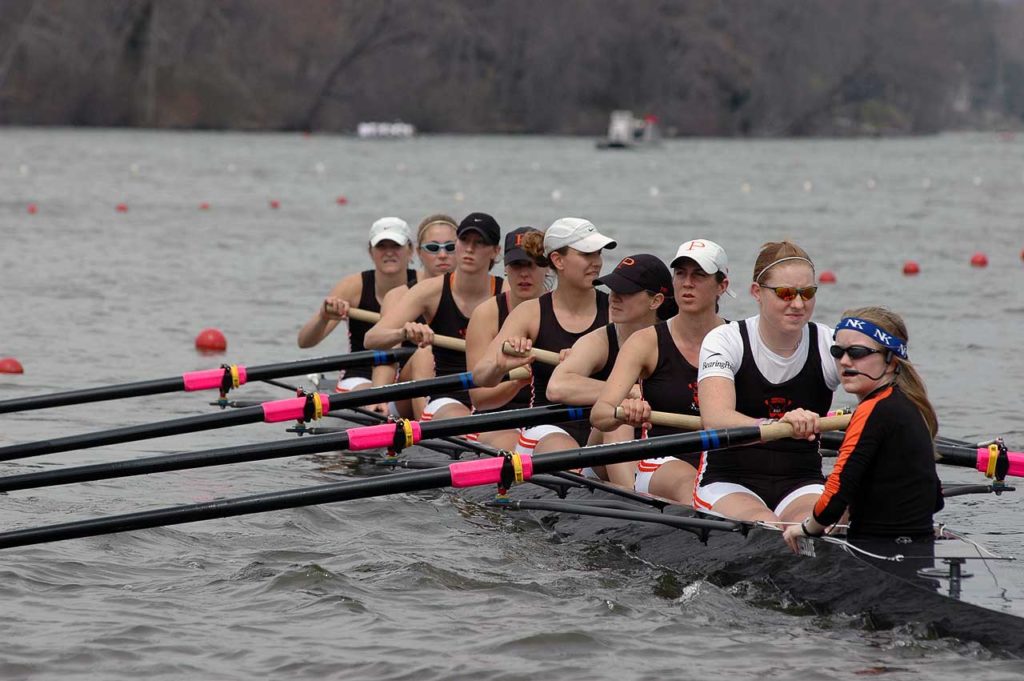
(552, 322)
(774, 366)
(640, 286)
(664, 360)
(390, 249)
(445, 304)
(526, 276)
(885, 473)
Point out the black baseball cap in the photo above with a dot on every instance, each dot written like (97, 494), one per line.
(484, 225)
(642, 272)
(513, 245)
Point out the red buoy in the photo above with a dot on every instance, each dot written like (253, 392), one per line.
(9, 365)
(910, 267)
(204, 206)
(979, 259)
(122, 208)
(211, 340)
(1022, 254)
(827, 277)
(341, 201)
(275, 204)
(33, 209)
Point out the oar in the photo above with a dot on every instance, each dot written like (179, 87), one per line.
(504, 470)
(667, 419)
(366, 437)
(543, 356)
(300, 408)
(446, 342)
(225, 378)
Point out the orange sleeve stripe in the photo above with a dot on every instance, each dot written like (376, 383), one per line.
(853, 433)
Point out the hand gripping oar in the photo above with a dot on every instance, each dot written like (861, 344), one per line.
(224, 378)
(446, 342)
(397, 436)
(668, 419)
(305, 408)
(503, 471)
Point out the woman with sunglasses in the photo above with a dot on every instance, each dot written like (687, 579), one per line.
(436, 244)
(639, 299)
(445, 303)
(664, 359)
(885, 473)
(773, 366)
(553, 322)
(391, 250)
(526, 276)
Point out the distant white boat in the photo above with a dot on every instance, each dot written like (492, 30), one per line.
(625, 131)
(373, 129)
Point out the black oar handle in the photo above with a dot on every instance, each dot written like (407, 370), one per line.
(206, 379)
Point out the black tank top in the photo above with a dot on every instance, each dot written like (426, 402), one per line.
(356, 329)
(449, 320)
(757, 397)
(551, 336)
(521, 400)
(672, 386)
(604, 372)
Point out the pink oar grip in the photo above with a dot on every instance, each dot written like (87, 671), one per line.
(484, 471)
(286, 410)
(208, 378)
(370, 437)
(1016, 462)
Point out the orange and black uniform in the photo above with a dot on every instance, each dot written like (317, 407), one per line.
(672, 386)
(885, 472)
(357, 329)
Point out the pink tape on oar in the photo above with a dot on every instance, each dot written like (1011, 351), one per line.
(370, 437)
(209, 378)
(484, 471)
(293, 408)
(1016, 462)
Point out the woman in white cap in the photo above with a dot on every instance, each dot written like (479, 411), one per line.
(445, 303)
(774, 366)
(553, 322)
(391, 250)
(664, 359)
(640, 297)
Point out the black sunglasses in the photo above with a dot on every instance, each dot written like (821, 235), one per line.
(788, 293)
(854, 351)
(436, 246)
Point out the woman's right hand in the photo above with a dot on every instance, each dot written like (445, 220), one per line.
(334, 309)
(420, 334)
(635, 412)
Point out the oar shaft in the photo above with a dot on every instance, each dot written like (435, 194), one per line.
(202, 380)
(668, 419)
(446, 342)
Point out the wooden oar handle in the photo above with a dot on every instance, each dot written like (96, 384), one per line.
(668, 419)
(518, 373)
(543, 356)
(446, 342)
(778, 431)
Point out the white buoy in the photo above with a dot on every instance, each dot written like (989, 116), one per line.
(976, 181)
(808, 186)
(556, 194)
(871, 183)
(319, 167)
(134, 168)
(459, 197)
(745, 188)
(23, 169)
(653, 191)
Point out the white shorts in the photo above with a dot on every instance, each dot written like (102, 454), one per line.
(345, 385)
(645, 471)
(433, 406)
(529, 437)
(708, 495)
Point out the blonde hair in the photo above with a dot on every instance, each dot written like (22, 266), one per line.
(430, 221)
(774, 252)
(907, 378)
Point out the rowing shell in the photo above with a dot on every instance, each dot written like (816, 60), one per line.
(960, 590)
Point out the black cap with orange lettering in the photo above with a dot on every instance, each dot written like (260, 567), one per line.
(642, 272)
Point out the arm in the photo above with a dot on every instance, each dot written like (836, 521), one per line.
(397, 321)
(519, 329)
(332, 310)
(571, 382)
(636, 360)
(483, 327)
(721, 354)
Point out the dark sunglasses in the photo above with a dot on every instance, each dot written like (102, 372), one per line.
(788, 293)
(436, 246)
(854, 351)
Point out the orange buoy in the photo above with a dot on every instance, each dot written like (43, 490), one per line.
(33, 209)
(9, 365)
(827, 277)
(275, 204)
(204, 206)
(211, 340)
(979, 259)
(341, 201)
(910, 267)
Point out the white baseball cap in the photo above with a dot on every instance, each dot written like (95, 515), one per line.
(709, 255)
(390, 229)
(576, 232)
